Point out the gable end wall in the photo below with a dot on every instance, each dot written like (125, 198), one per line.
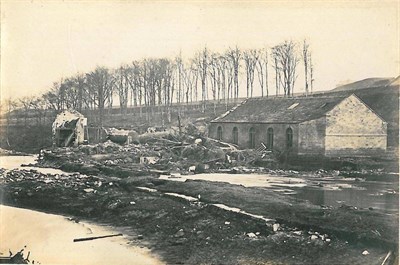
(354, 129)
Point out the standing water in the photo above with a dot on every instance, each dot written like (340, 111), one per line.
(332, 191)
(11, 162)
(50, 237)
(15, 162)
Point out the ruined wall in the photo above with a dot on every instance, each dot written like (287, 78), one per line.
(312, 137)
(354, 129)
(260, 134)
(80, 131)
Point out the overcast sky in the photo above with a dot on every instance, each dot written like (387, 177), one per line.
(43, 41)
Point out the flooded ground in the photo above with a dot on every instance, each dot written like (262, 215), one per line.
(50, 237)
(247, 180)
(14, 162)
(11, 162)
(328, 191)
(363, 194)
(185, 222)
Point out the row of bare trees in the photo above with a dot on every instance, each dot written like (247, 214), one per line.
(286, 57)
(160, 82)
(27, 107)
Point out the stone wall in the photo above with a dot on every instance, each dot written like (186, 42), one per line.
(312, 137)
(354, 129)
(80, 131)
(260, 134)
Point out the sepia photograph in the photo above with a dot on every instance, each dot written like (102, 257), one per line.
(257, 132)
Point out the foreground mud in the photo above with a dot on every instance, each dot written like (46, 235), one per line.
(200, 222)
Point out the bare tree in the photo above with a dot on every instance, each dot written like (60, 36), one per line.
(11, 105)
(215, 71)
(311, 74)
(262, 68)
(250, 58)
(74, 91)
(277, 74)
(38, 105)
(260, 72)
(53, 98)
(212, 68)
(190, 76)
(229, 77)
(168, 88)
(235, 55)
(26, 103)
(221, 64)
(286, 63)
(122, 85)
(80, 81)
(179, 67)
(202, 60)
(135, 83)
(196, 72)
(100, 84)
(306, 58)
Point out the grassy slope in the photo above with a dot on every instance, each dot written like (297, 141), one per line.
(365, 83)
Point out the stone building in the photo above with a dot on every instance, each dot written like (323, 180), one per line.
(331, 126)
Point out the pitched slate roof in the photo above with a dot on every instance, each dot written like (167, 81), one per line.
(280, 110)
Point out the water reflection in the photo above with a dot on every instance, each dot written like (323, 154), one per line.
(49, 238)
(377, 195)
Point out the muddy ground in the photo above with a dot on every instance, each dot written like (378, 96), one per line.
(195, 231)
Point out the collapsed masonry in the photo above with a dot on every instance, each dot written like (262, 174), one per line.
(121, 136)
(69, 129)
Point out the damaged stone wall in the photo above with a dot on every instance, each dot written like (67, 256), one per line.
(69, 128)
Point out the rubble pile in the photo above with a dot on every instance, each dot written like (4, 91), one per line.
(122, 136)
(159, 152)
(42, 181)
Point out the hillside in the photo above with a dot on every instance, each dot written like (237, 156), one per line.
(365, 83)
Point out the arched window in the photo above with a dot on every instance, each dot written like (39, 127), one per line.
(270, 138)
(219, 133)
(289, 137)
(235, 135)
(252, 138)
